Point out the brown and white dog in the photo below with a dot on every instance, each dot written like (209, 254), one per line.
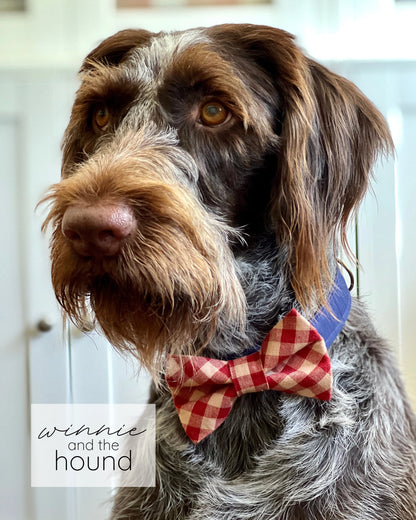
(208, 178)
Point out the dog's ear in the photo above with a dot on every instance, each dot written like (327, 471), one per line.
(112, 50)
(330, 136)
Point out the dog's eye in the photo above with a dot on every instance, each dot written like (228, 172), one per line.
(101, 117)
(214, 114)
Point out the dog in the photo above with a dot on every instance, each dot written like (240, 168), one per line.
(208, 179)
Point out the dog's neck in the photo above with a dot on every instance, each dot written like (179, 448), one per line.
(269, 297)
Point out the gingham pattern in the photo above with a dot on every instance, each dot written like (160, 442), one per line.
(293, 359)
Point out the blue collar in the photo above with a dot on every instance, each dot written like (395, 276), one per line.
(330, 319)
(330, 322)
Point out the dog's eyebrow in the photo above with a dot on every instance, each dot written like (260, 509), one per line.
(201, 63)
(103, 82)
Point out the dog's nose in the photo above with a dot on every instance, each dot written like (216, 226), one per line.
(97, 230)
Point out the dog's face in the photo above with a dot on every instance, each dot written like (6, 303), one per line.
(182, 151)
(225, 122)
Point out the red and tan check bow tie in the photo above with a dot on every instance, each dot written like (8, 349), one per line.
(292, 359)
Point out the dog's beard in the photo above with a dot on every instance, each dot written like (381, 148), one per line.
(165, 292)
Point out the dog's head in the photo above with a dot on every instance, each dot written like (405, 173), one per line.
(203, 134)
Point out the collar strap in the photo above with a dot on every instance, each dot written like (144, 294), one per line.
(329, 321)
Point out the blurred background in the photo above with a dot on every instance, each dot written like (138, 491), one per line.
(42, 43)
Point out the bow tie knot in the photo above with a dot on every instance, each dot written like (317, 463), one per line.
(248, 374)
(292, 359)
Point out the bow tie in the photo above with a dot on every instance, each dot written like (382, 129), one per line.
(293, 359)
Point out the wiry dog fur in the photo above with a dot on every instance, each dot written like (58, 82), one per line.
(234, 224)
